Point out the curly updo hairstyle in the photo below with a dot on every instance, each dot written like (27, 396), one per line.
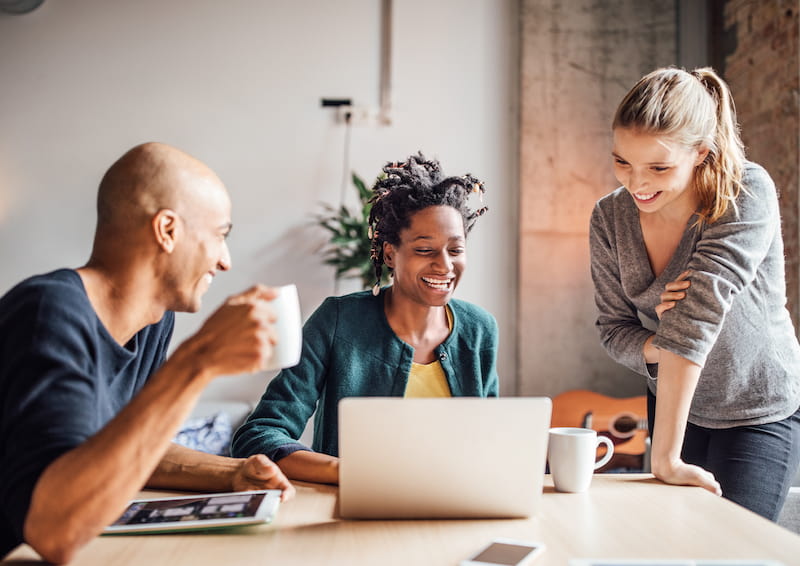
(408, 187)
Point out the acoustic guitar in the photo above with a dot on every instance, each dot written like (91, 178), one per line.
(624, 421)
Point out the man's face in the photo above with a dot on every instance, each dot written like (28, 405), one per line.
(202, 249)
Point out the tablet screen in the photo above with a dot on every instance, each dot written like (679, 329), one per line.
(198, 512)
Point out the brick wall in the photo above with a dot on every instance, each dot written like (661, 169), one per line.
(757, 53)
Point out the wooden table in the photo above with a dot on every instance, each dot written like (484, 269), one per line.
(621, 516)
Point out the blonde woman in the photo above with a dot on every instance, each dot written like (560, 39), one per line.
(692, 241)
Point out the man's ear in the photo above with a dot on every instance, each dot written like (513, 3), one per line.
(388, 254)
(165, 229)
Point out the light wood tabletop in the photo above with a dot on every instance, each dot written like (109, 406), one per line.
(621, 516)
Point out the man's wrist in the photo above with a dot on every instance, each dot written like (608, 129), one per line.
(189, 358)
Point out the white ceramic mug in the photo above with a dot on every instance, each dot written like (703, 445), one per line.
(288, 327)
(571, 453)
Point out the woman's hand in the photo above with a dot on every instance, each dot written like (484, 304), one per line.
(304, 465)
(673, 291)
(677, 381)
(680, 473)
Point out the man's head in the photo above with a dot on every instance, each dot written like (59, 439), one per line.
(165, 211)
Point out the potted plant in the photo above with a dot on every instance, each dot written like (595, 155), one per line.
(348, 249)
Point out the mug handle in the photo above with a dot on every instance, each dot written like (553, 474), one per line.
(609, 452)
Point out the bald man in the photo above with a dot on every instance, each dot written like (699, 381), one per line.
(88, 403)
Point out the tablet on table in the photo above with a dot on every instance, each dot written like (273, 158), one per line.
(197, 512)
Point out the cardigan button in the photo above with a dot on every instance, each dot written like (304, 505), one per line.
(443, 356)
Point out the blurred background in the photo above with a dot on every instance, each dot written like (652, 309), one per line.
(519, 93)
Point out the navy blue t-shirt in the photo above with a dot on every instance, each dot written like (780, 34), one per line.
(62, 378)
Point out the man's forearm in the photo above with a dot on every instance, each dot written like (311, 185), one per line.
(86, 488)
(186, 469)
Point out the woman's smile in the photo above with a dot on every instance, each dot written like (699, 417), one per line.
(438, 283)
(646, 197)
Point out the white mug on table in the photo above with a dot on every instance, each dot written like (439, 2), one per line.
(571, 453)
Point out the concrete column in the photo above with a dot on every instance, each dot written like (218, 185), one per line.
(578, 58)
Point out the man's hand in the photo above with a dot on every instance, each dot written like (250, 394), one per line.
(259, 472)
(239, 336)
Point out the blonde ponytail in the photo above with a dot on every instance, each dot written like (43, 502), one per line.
(719, 178)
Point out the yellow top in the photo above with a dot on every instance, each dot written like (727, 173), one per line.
(428, 380)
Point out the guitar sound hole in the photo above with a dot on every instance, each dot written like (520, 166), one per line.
(624, 425)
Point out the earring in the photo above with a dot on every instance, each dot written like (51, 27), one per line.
(376, 289)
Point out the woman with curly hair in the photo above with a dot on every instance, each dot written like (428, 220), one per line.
(409, 339)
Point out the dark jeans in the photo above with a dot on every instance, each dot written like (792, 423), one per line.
(754, 465)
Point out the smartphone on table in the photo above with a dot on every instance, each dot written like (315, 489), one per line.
(506, 552)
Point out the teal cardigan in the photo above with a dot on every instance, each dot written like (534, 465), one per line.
(349, 350)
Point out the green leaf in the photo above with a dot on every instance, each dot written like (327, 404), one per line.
(364, 194)
(348, 248)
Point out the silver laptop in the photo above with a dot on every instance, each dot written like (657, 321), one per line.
(460, 457)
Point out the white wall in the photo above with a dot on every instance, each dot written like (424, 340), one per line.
(238, 84)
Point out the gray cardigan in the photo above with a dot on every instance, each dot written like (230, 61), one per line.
(733, 321)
